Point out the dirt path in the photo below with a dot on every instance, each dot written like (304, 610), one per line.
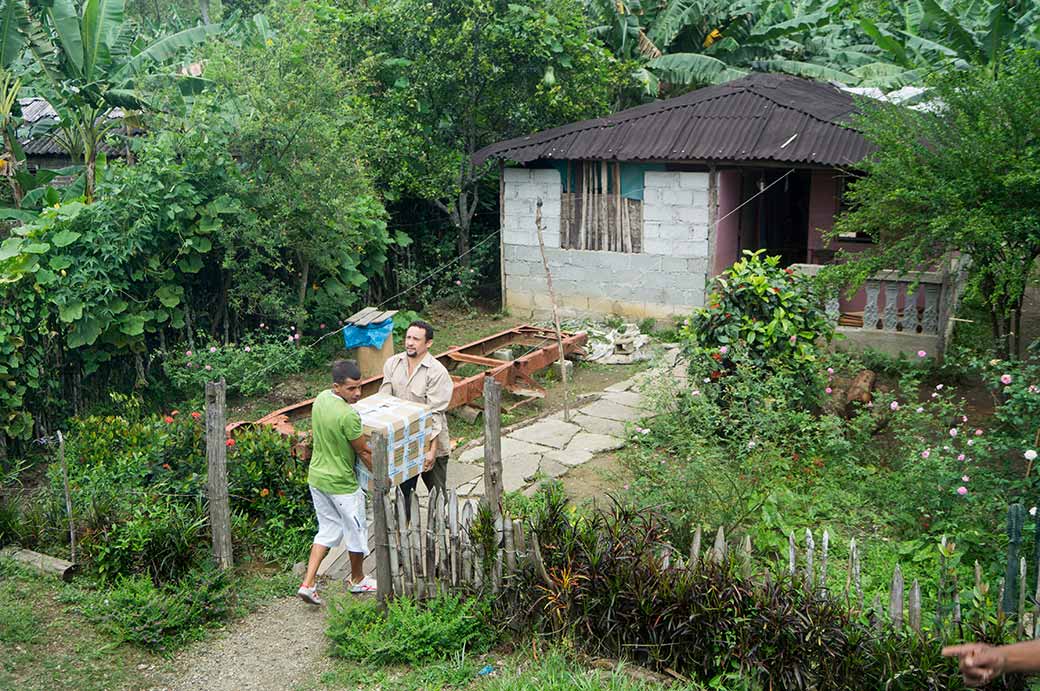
(278, 647)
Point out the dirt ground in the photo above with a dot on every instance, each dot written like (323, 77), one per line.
(596, 480)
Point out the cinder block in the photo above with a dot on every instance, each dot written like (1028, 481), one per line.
(693, 214)
(515, 176)
(697, 265)
(675, 232)
(658, 212)
(660, 179)
(503, 354)
(698, 231)
(674, 265)
(545, 176)
(677, 197)
(644, 262)
(603, 304)
(693, 181)
(567, 366)
(615, 262)
(651, 229)
(651, 195)
(657, 246)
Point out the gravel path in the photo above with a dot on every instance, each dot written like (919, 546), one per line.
(276, 648)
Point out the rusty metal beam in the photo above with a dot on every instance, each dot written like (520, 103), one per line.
(515, 375)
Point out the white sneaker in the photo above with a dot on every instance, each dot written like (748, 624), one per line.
(365, 585)
(309, 595)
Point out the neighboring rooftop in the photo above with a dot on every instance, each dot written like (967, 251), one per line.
(760, 117)
(37, 117)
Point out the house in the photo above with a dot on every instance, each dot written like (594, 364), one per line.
(39, 136)
(640, 210)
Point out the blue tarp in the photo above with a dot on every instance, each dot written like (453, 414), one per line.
(373, 335)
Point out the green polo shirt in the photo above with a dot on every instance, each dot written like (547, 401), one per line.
(334, 424)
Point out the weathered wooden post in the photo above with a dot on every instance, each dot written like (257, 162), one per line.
(895, 599)
(216, 479)
(555, 310)
(493, 445)
(68, 497)
(380, 486)
(1015, 518)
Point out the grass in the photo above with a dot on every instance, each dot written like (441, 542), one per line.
(525, 670)
(44, 646)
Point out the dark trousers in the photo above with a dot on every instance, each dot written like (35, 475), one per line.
(437, 476)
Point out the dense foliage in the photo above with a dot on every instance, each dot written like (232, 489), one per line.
(962, 176)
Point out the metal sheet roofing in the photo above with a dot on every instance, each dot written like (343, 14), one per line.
(761, 117)
(37, 116)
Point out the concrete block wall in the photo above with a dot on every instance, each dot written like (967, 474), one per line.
(666, 279)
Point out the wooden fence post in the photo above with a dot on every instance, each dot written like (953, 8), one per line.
(68, 497)
(380, 486)
(555, 310)
(1015, 516)
(493, 445)
(216, 479)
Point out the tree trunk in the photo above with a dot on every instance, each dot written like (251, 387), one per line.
(301, 293)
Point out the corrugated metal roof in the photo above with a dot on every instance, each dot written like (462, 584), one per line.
(37, 113)
(761, 117)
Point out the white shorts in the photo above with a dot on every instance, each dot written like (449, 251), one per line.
(341, 517)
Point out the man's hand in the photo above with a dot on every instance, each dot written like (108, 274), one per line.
(431, 455)
(980, 663)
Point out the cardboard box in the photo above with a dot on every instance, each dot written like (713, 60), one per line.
(408, 428)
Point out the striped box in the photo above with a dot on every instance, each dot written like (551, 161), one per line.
(407, 427)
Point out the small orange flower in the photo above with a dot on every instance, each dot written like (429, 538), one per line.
(166, 465)
(168, 420)
(230, 442)
(264, 492)
(196, 415)
(174, 413)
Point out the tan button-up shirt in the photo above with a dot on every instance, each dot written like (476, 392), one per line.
(430, 383)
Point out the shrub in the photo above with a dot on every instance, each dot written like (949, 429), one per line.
(409, 631)
(771, 312)
(240, 364)
(137, 611)
(610, 593)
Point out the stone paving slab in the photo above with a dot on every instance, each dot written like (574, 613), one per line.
(462, 473)
(569, 456)
(594, 443)
(547, 432)
(517, 467)
(510, 446)
(612, 410)
(599, 425)
(551, 468)
(626, 398)
(621, 385)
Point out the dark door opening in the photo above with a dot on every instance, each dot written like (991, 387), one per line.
(776, 219)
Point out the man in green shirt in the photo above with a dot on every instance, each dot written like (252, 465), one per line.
(339, 502)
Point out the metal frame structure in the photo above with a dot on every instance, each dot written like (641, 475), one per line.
(516, 376)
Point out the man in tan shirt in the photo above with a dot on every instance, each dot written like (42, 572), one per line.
(415, 375)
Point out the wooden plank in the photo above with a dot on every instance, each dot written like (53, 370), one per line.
(718, 551)
(467, 543)
(406, 546)
(810, 550)
(1020, 629)
(354, 318)
(519, 541)
(389, 507)
(695, 548)
(456, 545)
(415, 537)
(791, 554)
(915, 606)
(380, 488)
(895, 599)
(510, 553)
(216, 477)
(823, 560)
(493, 445)
(41, 562)
(431, 541)
(68, 496)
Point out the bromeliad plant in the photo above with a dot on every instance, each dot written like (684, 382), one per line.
(770, 312)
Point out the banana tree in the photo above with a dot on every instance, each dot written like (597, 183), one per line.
(960, 33)
(92, 62)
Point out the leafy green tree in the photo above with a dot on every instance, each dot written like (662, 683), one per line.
(91, 62)
(446, 78)
(963, 176)
(320, 226)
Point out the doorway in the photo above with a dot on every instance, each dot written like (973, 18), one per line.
(776, 215)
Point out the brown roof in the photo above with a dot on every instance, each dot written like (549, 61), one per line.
(760, 117)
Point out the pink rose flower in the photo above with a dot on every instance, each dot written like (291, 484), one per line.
(953, 431)
(921, 353)
(248, 349)
(971, 442)
(894, 405)
(978, 433)
(321, 326)
(965, 478)
(830, 370)
(828, 390)
(212, 349)
(919, 409)
(962, 490)
(1005, 379)
(961, 457)
(723, 350)
(458, 282)
(793, 339)
(296, 336)
(938, 387)
(926, 453)
(188, 353)
(208, 368)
